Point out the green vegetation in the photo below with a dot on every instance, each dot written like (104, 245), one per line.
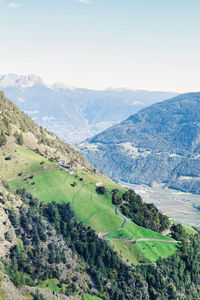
(38, 296)
(89, 297)
(40, 257)
(133, 231)
(143, 214)
(3, 139)
(89, 206)
(19, 138)
(103, 264)
(152, 251)
(24, 162)
(165, 279)
(143, 252)
(92, 208)
(129, 252)
(11, 115)
(51, 284)
(190, 230)
(54, 218)
(2, 293)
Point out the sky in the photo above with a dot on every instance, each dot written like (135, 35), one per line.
(138, 44)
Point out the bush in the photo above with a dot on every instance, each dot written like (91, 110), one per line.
(3, 139)
(20, 139)
(38, 296)
(8, 236)
(101, 190)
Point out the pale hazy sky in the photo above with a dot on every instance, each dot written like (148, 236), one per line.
(139, 44)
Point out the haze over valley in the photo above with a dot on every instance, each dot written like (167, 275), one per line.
(72, 113)
(100, 150)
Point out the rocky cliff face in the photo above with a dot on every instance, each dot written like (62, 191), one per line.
(159, 144)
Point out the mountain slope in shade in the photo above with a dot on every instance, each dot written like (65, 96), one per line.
(72, 113)
(159, 144)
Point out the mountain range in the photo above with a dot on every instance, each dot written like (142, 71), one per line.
(72, 113)
(159, 144)
(69, 232)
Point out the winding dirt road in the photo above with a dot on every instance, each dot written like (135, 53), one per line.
(124, 219)
(144, 240)
(103, 235)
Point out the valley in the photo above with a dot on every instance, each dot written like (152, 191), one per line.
(73, 113)
(100, 150)
(175, 204)
(68, 229)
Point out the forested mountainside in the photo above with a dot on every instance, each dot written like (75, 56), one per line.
(159, 144)
(75, 114)
(68, 232)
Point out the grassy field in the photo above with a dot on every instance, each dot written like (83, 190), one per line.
(129, 252)
(153, 250)
(189, 229)
(91, 208)
(22, 160)
(51, 284)
(94, 178)
(89, 297)
(133, 231)
(49, 183)
(143, 252)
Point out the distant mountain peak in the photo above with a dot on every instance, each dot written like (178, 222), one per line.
(64, 86)
(23, 81)
(27, 81)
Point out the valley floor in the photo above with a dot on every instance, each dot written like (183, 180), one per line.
(176, 205)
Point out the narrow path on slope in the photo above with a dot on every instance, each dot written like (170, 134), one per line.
(144, 240)
(168, 231)
(100, 183)
(103, 235)
(124, 219)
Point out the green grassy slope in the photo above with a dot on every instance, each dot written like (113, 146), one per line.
(89, 297)
(51, 284)
(133, 231)
(189, 229)
(143, 252)
(50, 183)
(22, 160)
